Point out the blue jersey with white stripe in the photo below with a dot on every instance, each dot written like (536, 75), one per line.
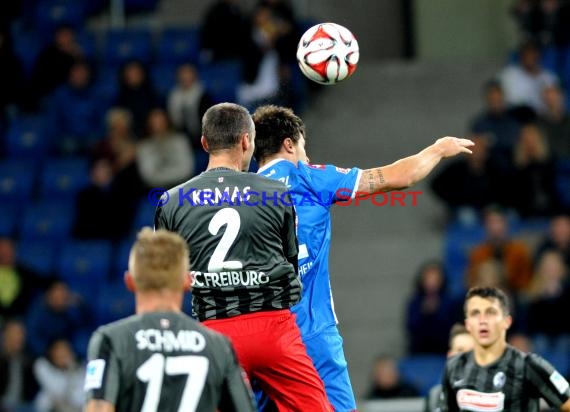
(314, 189)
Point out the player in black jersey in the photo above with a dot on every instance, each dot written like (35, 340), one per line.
(161, 359)
(240, 228)
(495, 376)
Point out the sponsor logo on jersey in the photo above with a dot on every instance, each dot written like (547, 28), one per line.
(470, 400)
(316, 166)
(559, 382)
(94, 374)
(342, 170)
(234, 278)
(499, 380)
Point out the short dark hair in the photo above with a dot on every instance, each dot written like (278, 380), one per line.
(488, 293)
(223, 125)
(273, 124)
(456, 330)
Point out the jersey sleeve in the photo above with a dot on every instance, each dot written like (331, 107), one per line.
(102, 375)
(332, 183)
(546, 381)
(446, 401)
(236, 394)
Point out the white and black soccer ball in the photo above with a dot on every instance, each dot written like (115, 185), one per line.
(328, 53)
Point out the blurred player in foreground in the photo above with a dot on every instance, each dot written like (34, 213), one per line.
(460, 340)
(241, 230)
(495, 376)
(281, 155)
(161, 359)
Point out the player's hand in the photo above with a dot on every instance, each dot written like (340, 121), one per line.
(451, 146)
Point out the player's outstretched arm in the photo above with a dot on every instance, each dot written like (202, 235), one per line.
(98, 405)
(408, 171)
(566, 406)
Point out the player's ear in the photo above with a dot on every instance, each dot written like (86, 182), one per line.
(245, 142)
(188, 281)
(204, 144)
(288, 145)
(508, 322)
(129, 281)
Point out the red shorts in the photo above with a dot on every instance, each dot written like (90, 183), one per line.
(269, 348)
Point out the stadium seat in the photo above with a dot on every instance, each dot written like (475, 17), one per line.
(163, 78)
(84, 264)
(88, 44)
(221, 80)
(422, 371)
(27, 45)
(117, 302)
(48, 220)
(64, 178)
(9, 219)
(121, 259)
(51, 14)
(106, 84)
(179, 45)
(140, 6)
(29, 137)
(17, 178)
(144, 215)
(37, 256)
(125, 45)
(560, 359)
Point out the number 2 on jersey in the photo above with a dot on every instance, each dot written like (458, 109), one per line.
(154, 369)
(230, 218)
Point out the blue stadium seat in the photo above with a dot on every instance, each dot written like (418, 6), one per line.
(222, 79)
(29, 137)
(27, 45)
(84, 264)
(144, 215)
(47, 220)
(88, 44)
(114, 303)
(559, 359)
(423, 371)
(51, 14)
(64, 178)
(37, 256)
(179, 45)
(163, 78)
(106, 83)
(17, 178)
(140, 6)
(124, 45)
(9, 218)
(121, 259)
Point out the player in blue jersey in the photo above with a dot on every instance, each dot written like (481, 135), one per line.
(280, 152)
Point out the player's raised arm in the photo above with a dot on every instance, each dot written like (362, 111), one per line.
(408, 171)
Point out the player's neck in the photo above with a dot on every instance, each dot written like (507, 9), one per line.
(225, 159)
(488, 355)
(158, 301)
(278, 156)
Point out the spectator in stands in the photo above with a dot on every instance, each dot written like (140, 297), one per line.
(18, 284)
(77, 111)
(216, 44)
(165, 158)
(543, 21)
(61, 380)
(60, 314)
(549, 298)
(11, 77)
(558, 238)
(521, 342)
(287, 28)
(513, 255)
(555, 122)
(496, 121)
(136, 94)
(524, 82)
(96, 206)
(188, 102)
(18, 385)
(54, 63)
(387, 382)
(460, 340)
(430, 311)
(470, 183)
(532, 188)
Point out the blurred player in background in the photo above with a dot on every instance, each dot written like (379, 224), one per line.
(459, 341)
(495, 376)
(161, 359)
(281, 155)
(241, 230)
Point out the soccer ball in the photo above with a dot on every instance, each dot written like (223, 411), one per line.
(328, 53)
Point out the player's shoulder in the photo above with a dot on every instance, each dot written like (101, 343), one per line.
(458, 361)
(119, 327)
(266, 183)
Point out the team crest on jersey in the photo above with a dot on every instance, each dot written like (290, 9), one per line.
(94, 374)
(499, 380)
(470, 400)
(220, 179)
(164, 323)
(316, 166)
(559, 382)
(343, 170)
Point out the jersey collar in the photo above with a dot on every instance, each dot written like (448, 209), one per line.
(271, 164)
